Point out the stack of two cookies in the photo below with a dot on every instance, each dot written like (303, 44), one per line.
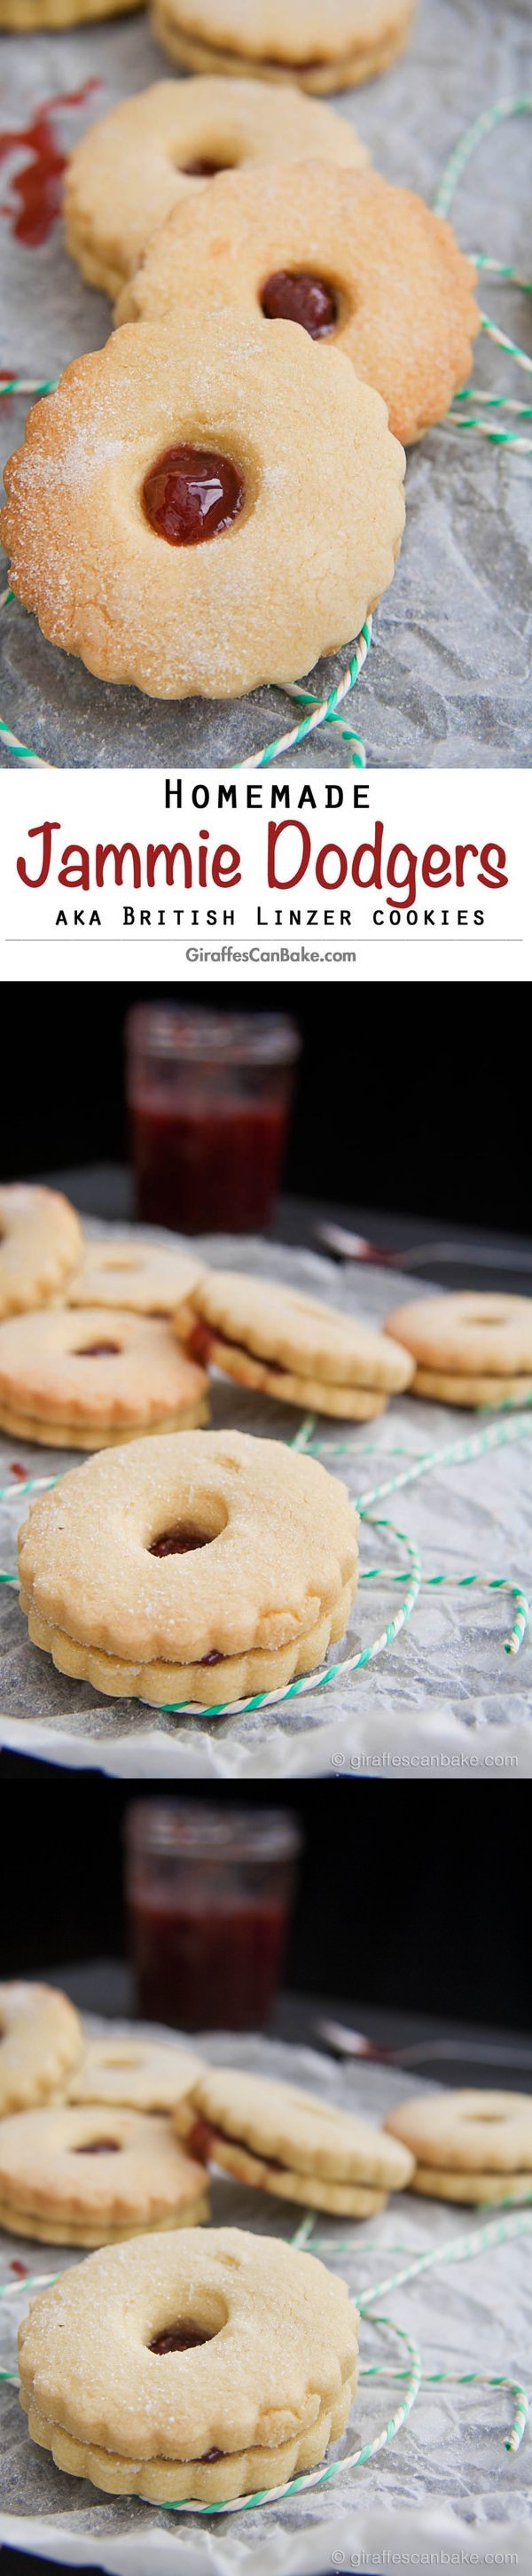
(293, 1347)
(88, 2151)
(281, 2140)
(88, 1350)
(469, 2146)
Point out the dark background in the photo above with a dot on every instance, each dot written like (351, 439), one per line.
(401, 1091)
(414, 1902)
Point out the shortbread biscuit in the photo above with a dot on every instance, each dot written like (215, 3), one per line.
(292, 1347)
(290, 2143)
(467, 2130)
(322, 50)
(73, 1382)
(289, 464)
(154, 151)
(471, 1348)
(475, 2187)
(40, 1246)
(363, 267)
(22, 15)
(41, 2039)
(180, 1568)
(137, 2074)
(143, 1278)
(118, 2383)
(92, 2176)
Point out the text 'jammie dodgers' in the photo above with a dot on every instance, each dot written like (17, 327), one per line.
(289, 854)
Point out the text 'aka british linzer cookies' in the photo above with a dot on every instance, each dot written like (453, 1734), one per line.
(71, 1380)
(93, 2176)
(41, 1245)
(328, 47)
(157, 150)
(362, 267)
(471, 1348)
(193, 2366)
(195, 511)
(41, 2041)
(201, 1568)
(289, 1346)
(290, 2143)
(469, 2146)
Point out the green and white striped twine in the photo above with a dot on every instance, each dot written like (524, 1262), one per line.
(326, 711)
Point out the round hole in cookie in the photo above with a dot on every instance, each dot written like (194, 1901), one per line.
(97, 1351)
(99, 2147)
(182, 1540)
(123, 1261)
(182, 2336)
(291, 295)
(203, 168)
(192, 494)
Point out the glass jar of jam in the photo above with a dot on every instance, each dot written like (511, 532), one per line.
(208, 1895)
(208, 1097)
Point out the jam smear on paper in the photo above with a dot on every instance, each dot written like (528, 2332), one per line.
(35, 192)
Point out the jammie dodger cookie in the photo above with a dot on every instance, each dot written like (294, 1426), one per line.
(290, 2143)
(158, 149)
(71, 1380)
(41, 2040)
(321, 49)
(469, 2146)
(143, 1278)
(90, 2177)
(40, 1246)
(468, 1349)
(36, 14)
(290, 1346)
(195, 514)
(190, 2366)
(201, 1568)
(361, 266)
(141, 2074)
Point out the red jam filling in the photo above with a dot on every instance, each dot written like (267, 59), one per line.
(180, 1541)
(180, 2337)
(213, 1658)
(99, 2147)
(300, 298)
(191, 494)
(199, 1344)
(97, 1351)
(202, 2141)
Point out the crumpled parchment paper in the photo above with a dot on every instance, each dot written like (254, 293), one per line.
(448, 679)
(445, 1700)
(446, 2480)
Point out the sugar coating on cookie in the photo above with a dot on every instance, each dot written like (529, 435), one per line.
(290, 2143)
(364, 267)
(160, 148)
(41, 2039)
(269, 1336)
(178, 1566)
(191, 2366)
(143, 1278)
(113, 540)
(140, 2074)
(40, 1245)
(69, 1380)
(83, 2176)
(321, 50)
